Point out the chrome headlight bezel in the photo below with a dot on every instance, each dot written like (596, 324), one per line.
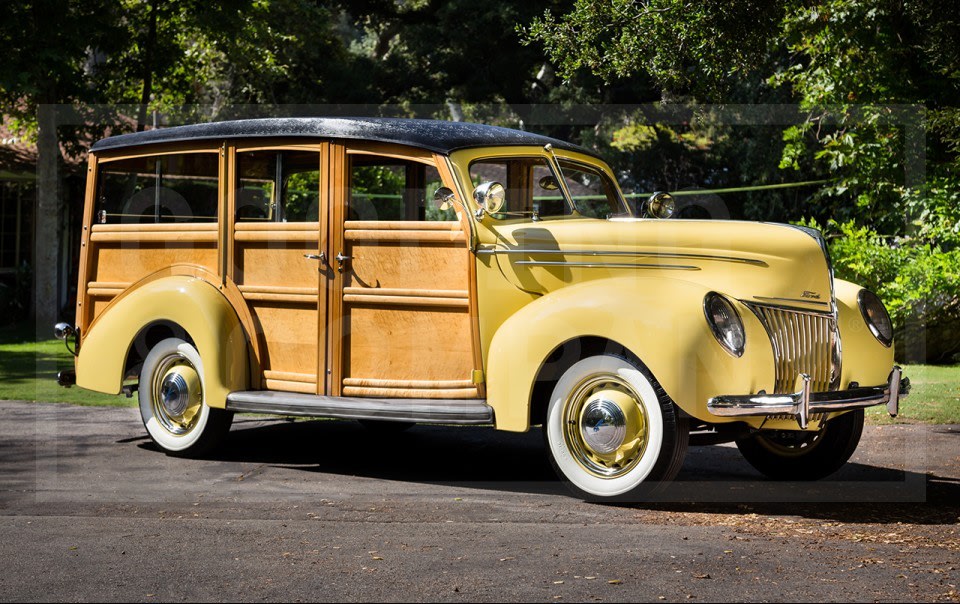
(876, 317)
(725, 323)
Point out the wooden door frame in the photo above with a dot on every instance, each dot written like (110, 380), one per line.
(232, 148)
(338, 180)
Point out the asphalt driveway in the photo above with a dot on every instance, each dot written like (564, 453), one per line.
(319, 510)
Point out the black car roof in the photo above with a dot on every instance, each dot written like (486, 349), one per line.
(433, 135)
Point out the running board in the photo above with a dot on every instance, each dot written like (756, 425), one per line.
(422, 411)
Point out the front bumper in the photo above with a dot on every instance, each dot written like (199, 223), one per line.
(803, 404)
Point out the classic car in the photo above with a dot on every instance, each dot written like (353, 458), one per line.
(415, 271)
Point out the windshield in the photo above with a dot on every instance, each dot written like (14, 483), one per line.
(533, 189)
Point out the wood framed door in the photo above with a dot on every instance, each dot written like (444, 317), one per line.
(400, 300)
(278, 209)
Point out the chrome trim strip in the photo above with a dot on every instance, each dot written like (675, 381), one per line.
(800, 300)
(679, 267)
(424, 411)
(804, 342)
(593, 253)
(804, 404)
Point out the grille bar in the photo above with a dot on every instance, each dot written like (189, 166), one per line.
(803, 342)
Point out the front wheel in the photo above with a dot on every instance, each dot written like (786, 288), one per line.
(612, 432)
(172, 403)
(796, 455)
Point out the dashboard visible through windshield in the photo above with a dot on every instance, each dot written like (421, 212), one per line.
(533, 188)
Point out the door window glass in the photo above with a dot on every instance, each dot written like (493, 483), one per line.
(391, 189)
(278, 186)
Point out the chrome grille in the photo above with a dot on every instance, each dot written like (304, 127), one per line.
(803, 342)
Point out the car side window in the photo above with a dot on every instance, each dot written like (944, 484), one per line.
(175, 188)
(384, 188)
(278, 186)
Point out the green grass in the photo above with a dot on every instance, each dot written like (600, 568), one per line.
(934, 397)
(28, 371)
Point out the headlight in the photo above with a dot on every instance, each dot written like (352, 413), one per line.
(876, 317)
(725, 323)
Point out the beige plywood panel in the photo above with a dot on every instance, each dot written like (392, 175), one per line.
(408, 265)
(278, 263)
(288, 332)
(130, 261)
(403, 343)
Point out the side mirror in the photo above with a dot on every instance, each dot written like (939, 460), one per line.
(444, 198)
(660, 205)
(491, 196)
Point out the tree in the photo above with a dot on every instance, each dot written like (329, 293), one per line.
(877, 81)
(52, 40)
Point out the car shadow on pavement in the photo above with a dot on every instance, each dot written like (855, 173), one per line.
(714, 479)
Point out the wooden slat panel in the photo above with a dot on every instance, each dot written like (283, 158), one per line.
(275, 236)
(397, 291)
(465, 393)
(419, 384)
(286, 386)
(411, 236)
(288, 376)
(153, 227)
(171, 236)
(310, 299)
(277, 289)
(401, 225)
(406, 301)
(279, 227)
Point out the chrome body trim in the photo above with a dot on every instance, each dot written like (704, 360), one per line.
(424, 411)
(806, 403)
(621, 254)
(560, 263)
(800, 300)
(804, 342)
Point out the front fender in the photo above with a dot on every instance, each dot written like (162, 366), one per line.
(864, 359)
(660, 320)
(193, 304)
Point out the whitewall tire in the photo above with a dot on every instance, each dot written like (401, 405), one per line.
(172, 404)
(612, 432)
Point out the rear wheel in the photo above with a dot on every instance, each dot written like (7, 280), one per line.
(172, 404)
(612, 432)
(796, 455)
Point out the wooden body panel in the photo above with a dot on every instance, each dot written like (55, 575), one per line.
(406, 311)
(398, 322)
(121, 255)
(281, 288)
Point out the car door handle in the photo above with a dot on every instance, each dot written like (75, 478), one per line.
(340, 260)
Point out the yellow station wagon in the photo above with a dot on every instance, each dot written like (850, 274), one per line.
(415, 271)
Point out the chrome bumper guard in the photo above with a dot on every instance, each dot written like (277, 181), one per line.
(803, 404)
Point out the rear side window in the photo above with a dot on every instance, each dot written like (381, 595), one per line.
(176, 188)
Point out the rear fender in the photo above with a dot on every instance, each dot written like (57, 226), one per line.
(193, 304)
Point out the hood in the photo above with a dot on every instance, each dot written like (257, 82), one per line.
(756, 262)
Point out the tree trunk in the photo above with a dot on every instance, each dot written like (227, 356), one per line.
(46, 223)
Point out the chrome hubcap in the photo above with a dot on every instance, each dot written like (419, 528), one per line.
(177, 394)
(174, 394)
(605, 425)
